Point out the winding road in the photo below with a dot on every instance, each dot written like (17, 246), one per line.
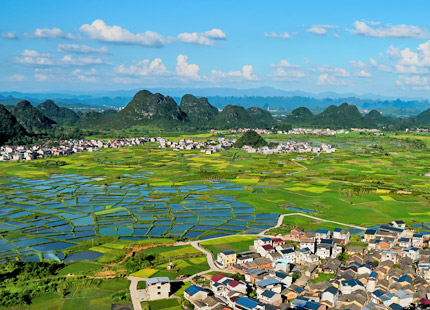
(210, 258)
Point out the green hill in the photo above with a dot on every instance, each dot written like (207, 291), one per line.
(300, 115)
(343, 116)
(423, 118)
(31, 118)
(146, 107)
(250, 138)
(232, 116)
(9, 126)
(260, 118)
(378, 118)
(198, 110)
(61, 115)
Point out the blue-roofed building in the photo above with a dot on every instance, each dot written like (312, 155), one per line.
(348, 287)
(330, 295)
(272, 284)
(194, 292)
(247, 303)
(270, 297)
(405, 242)
(322, 234)
(158, 288)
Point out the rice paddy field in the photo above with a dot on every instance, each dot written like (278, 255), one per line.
(52, 208)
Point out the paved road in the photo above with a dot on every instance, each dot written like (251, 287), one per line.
(133, 292)
(210, 257)
(281, 220)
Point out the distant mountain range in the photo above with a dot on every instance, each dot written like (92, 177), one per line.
(262, 97)
(160, 111)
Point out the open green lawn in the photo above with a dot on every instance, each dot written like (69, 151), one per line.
(236, 243)
(80, 268)
(170, 304)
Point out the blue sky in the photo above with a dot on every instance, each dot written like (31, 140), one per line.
(380, 47)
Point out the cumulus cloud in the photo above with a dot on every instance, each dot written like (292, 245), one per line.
(363, 73)
(416, 82)
(284, 35)
(40, 77)
(380, 67)
(368, 29)
(32, 57)
(327, 79)
(16, 78)
(320, 29)
(98, 30)
(143, 68)
(334, 71)
(245, 73)
(284, 64)
(285, 71)
(419, 58)
(204, 38)
(361, 69)
(52, 33)
(86, 76)
(216, 34)
(81, 60)
(186, 70)
(9, 35)
(81, 49)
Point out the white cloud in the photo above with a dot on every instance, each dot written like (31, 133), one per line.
(419, 58)
(184, 69)
(245, 73)
(415, 82)
(307, 60)
(81, 49)
(368, 29)
(326, 79)
(285, 71)
(392, 51)
(32, 57)
(380, 67)
(195, 38)
(81, 60)
(284, 35)
(320, 29)
(334, 71)
(40, 77)
(144, 68)
(53, 33)
(202, 38)
(9, 35)
(361, 69)
(17, 78)
(363, 73)
(86, 76)
(216, 34)
(284, 64)
(98, 30)
(410, 70)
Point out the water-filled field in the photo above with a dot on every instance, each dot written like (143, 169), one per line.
(50, 215)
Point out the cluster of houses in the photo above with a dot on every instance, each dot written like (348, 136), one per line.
(316, 132)
(65, 147)
(291, 147)
(208, 147)
(317, 270)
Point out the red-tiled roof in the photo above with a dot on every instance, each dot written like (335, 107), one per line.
(267, 247)
(234, 283)
(218, 277)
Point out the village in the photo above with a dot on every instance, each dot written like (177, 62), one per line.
(68, 147)
(389, 268)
